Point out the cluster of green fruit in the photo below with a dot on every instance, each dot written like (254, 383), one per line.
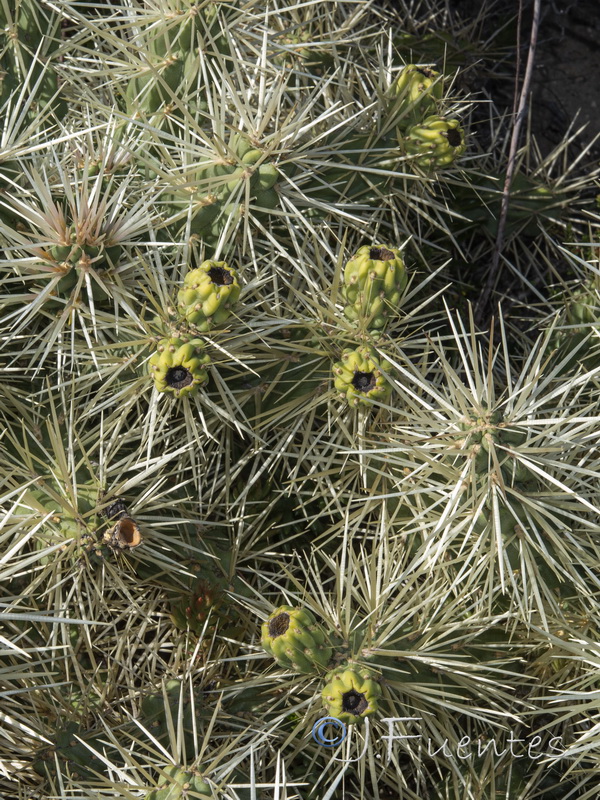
(251, 176)
(206, 299)
(374, 282)
(297, 642)
(430, 139)
(177, 783)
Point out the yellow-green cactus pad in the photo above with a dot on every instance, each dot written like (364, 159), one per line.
(179, 366)
(209, 293)
(295, 640)
(420, 90)
(351, 693)
(435, 143)
(358, 376)
(374, 280)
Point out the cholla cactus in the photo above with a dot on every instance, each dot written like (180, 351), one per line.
(359, 377)
(293, 637)
(435, 142)
(181, 185)
(351, 693)
(208, 295)
(179, 366)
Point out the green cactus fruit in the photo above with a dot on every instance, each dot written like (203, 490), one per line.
(295, 640)
(179, 366)
(358, 376)
(209, 292)
(435, 143)
(177, 783)
(418, 90)
(351, 693)
(374, 280)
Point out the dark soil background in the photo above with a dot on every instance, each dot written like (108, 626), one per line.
(565, 86)
(566, 82)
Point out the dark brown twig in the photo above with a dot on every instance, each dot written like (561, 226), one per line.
(512, 158)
